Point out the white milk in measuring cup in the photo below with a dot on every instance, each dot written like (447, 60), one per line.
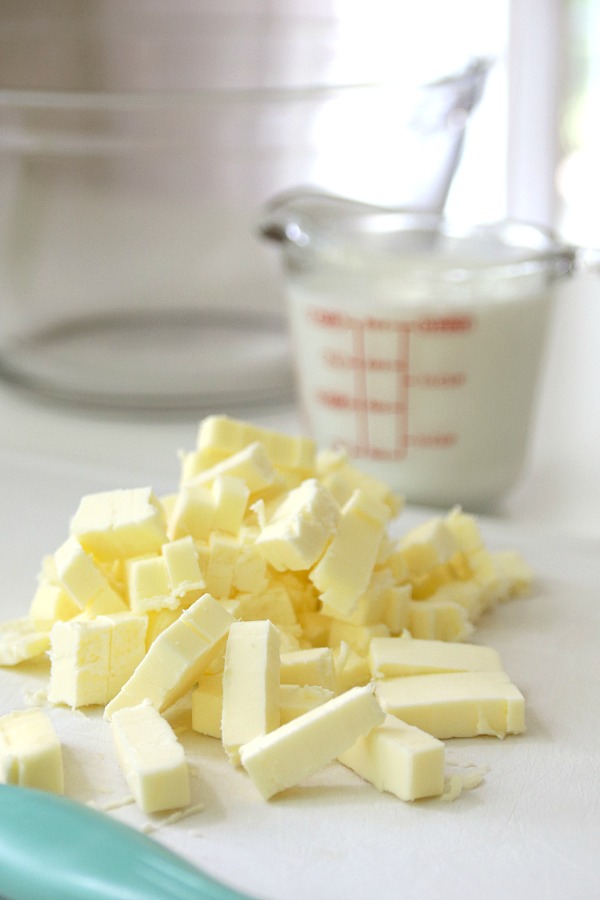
(423, 364)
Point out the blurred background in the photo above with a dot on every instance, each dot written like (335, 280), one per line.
(287, 90)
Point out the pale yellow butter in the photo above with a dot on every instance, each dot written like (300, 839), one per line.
(230, 496)
(297, 699)
(151, 757)
(148, 585)
(250, 684)
(389, 657)
(298, 749)
(79, 655)
(30, 751)
(298, 532)
(21, 639)
(251, 465)
(192, 513)
(351, 669)
(120, 524)
(344, 571)
(227, 436)
(84, 580)
(456, 704)
(400, 759)
(207, 705)
(313, 666)
(92, 659)
(429, 544)
(50, 603)
(184, 575)
(439, 620)
(177, 657)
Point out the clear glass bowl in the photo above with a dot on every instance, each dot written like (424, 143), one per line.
(138, 143)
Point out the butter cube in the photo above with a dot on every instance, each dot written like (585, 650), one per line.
(224, 550)
(465, 530)
(296, 750)
(439, 619)
(297, 699)
(358, 637)
(313, 666)
(30, 751)
(207, 705)
(342, 478)
(127, 647)
(92, 659)
(250, 684)
(184, 576)
(393, 656)
(177, 657)
(350, 668)
(456, 704)
(20, 639)
(51, 602)
(251, 464)
(371, 607)
(230, 497)
(148, 585)
(400, 759)
(120, 524)
(79, 655)
(344, 571)
(228, 436)
(273, 603)
(152, 759)
(193, 513)
(84, 580)
(429, 544)
(249, 573)
(300, 528)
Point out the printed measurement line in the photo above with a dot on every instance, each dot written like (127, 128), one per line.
(402, 385)
(360, 383)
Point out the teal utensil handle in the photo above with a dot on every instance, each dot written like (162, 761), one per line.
(52, 848)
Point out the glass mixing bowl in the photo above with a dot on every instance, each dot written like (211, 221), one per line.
(138, 142)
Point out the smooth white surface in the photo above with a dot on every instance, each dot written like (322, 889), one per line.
(531, 829)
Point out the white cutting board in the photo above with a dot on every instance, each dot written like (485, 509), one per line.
(530, 829)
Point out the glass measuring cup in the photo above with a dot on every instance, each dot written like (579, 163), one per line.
(417, 343)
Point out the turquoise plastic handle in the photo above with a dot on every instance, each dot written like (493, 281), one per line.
(52, 848)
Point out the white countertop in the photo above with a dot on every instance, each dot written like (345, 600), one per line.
(531, 828)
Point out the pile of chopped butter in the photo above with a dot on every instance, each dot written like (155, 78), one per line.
(269, 590)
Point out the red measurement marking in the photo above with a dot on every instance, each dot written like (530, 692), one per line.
(340, 400)
(337, 360)
(357, 451)
(443, 439)
(328, 318)
(438, 379)
(445, 324)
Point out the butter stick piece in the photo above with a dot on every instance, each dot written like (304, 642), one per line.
(30, 751)
(400, 759)
(151, 757)
(456, 704)
(177, 657)
(298, 749)
(344, 571)
(250, 684)
(394, 656)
